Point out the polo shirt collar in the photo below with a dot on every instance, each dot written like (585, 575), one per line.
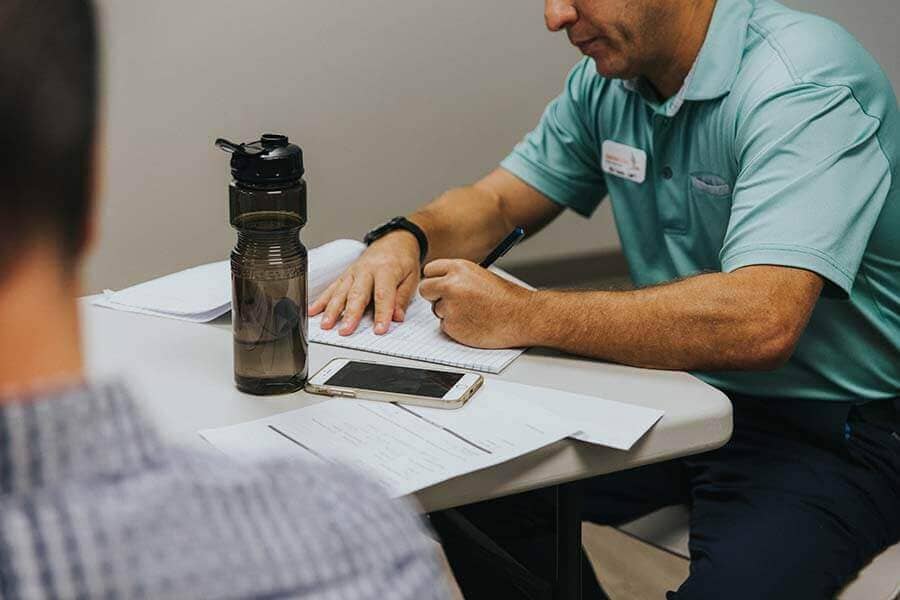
(717, 64)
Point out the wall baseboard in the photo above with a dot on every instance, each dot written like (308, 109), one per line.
(590, 269)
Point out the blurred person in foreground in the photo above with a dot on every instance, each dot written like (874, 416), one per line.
(751, 154)
(93, 504)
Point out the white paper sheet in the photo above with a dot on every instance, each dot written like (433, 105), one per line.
(599, 421)
(405, 448)
(199, 294)
(408, 448)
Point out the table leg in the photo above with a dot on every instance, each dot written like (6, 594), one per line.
(568, 541)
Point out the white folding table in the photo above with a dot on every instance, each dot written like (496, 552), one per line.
(182, 375)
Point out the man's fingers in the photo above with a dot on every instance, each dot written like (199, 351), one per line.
(336, 303)
(432, 289)
(322, 301)
(405, 294)
(357, 300)
(437, 309)
(385, 296)
(439, 267)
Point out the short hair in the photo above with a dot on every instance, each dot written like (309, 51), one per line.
(48, 113)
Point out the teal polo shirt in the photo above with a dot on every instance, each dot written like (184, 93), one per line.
(781, 148)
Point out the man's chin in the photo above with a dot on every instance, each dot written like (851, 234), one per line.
(611, 68)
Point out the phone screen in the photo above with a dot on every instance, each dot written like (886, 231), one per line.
(397, 380)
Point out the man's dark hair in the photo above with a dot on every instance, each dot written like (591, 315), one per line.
(48, 113)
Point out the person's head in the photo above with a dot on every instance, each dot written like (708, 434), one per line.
(48, 116)
(625, 38)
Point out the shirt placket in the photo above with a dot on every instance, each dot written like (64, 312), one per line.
(669, 199)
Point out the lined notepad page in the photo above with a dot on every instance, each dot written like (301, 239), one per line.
(419, 337)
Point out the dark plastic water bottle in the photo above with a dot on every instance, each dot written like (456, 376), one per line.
(267, 199)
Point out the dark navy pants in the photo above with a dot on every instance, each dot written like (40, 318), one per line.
(799, 500)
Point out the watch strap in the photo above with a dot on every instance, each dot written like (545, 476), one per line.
(400, 223)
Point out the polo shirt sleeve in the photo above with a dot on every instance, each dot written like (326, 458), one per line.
(560, 158)
(811, 184)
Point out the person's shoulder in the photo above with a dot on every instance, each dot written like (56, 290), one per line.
(797, 48)
(194, 523)
(797, 66)
(306, 481)
(343, 516)
(305, 488)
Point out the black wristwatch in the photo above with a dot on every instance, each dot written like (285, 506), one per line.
(400, 223)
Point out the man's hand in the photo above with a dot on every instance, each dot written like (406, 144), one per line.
(387, 272)
(464, 222)
(477, 307)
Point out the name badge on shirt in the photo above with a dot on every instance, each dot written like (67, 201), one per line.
(624, 161)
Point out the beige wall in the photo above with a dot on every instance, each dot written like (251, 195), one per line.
(392, 102)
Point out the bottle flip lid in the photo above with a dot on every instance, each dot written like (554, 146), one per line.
(270, 159)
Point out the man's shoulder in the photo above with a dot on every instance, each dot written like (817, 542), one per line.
(798, 66)
(788, 48)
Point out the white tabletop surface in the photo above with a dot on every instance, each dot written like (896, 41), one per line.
(182, 374)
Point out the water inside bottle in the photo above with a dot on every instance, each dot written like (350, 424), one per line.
(270, 304)
(270, 348)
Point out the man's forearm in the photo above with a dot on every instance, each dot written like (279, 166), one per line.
(715, 321)
(468, 222)
(464, 222)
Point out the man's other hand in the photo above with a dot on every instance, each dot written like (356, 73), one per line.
(387, 272)
(477, 307)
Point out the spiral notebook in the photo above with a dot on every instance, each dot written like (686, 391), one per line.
(418, 337)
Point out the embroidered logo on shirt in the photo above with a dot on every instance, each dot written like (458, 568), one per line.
(624, 161)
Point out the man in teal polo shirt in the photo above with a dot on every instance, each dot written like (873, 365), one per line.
(752, 156)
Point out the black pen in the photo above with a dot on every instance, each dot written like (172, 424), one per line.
(503, 247)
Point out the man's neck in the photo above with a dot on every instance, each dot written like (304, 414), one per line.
(39, 334)
(668, 71)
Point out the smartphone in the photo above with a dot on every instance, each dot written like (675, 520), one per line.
(349, 378)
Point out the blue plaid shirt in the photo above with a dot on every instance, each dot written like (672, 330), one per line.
(94, 505)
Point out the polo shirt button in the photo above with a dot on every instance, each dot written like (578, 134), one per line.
(667, 172)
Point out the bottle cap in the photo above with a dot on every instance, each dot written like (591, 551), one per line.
(270, 159)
